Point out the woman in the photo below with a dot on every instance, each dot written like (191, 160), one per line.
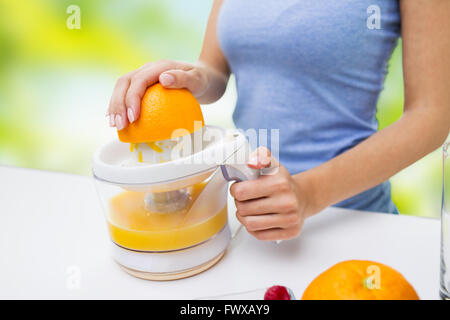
(314, 69)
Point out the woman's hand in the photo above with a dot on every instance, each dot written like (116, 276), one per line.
(269, 207)
(207, 79)
(125, 103)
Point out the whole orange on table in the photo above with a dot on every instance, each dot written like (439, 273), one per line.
(162, 112)
(360, 280)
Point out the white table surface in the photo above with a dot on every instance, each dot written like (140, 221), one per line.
(54, 244)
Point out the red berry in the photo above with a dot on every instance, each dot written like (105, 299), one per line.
(278, 293)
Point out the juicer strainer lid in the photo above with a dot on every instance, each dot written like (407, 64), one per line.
(218, 145)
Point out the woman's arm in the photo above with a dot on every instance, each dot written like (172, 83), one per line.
(424, 125)
(212, 58)
(274, 206)
(207, 79)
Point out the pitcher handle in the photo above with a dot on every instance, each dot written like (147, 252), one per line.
(238, 173)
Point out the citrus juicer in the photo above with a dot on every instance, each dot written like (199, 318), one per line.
(166, 202)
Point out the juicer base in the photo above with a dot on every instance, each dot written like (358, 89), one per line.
(175, 264)
(167, 276)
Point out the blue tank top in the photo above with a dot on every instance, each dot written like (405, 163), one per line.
(312, 69)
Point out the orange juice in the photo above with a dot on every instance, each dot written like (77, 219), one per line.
(132, 226)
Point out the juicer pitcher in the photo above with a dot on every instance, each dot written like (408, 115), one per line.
(168, 219)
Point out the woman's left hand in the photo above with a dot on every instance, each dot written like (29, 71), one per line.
(269, 207)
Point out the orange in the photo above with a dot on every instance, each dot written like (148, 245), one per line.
(360, 280)
(162, 112)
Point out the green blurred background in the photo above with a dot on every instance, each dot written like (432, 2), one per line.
(55, 83)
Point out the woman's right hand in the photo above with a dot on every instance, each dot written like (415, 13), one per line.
(125, 104)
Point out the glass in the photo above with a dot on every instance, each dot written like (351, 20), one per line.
(445, 227)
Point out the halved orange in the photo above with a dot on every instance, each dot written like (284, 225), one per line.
(163, 111)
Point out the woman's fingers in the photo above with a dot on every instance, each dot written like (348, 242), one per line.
(250, 189)
(261, 158)
(192, 79)
(117, 110)
(120, 120)
(111, 120)
(283, 203)
(269, 207)
(140, 81)
(264, 186)
(126, 99)
(268, 221)
(277, 233)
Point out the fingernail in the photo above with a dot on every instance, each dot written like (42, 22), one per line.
(119, 122)
(166, 79)
(265, 161)
(253, 160)
(111, 120)
(130, 115)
